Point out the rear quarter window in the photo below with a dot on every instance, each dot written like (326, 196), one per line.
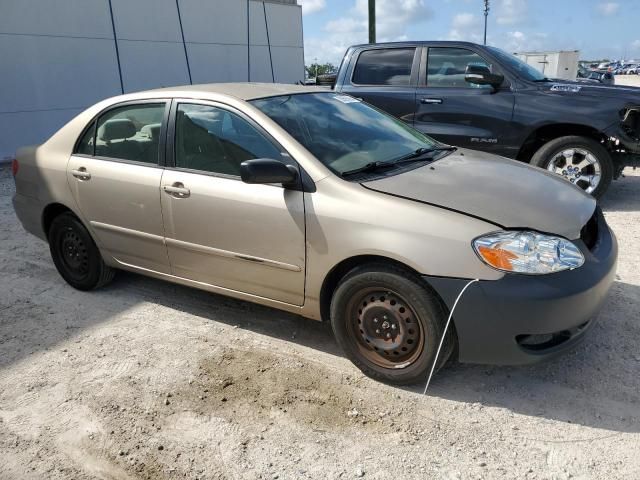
(385, 66)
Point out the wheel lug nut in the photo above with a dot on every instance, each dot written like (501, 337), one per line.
(377, 330)
(388, 335)
(385, 317)
(393, 326)
(375, 320)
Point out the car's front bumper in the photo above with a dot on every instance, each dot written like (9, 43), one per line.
(522, 319)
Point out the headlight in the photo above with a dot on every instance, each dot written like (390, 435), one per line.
(528, 252)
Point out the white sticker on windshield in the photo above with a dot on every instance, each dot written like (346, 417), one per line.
(346, 99)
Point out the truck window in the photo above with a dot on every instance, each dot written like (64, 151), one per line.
(386, 66)
(446, 67)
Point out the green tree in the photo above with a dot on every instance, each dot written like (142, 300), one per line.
(319, 69)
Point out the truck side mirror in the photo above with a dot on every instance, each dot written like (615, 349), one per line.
(481, 75)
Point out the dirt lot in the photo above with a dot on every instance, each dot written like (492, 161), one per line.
(148, 380)
(632, 80)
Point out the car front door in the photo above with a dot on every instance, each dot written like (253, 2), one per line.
(223, 232)
(461, 113)
(114, 175)
(387, 78)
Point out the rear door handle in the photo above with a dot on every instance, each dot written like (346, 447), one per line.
(176, 190)
(431, 101)
(81, 174)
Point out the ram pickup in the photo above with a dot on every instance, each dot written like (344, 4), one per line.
(483, 98)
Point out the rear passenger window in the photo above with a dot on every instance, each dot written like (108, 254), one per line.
(214, 140)
(131, 133)
(390, 66)
(446, 67)
(87, 142)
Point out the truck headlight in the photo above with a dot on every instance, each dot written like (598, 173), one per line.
(528, 252)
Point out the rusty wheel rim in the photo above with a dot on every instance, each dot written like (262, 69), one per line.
(385, 328)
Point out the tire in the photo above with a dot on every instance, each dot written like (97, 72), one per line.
(401, 306)
(550, 150)
(76, 255)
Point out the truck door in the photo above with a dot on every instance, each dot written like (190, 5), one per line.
(387, 78)
(460, 113)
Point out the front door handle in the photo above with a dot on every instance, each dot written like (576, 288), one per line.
(431, 101)
(177, 190)
(81, 174)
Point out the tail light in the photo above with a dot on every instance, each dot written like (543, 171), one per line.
(14, 166)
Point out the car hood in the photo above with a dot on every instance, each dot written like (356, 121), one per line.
(505, 192)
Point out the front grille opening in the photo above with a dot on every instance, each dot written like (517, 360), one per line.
(544, 341)
(589, 233)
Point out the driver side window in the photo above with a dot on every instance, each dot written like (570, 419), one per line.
(211, 139)
(446, 67)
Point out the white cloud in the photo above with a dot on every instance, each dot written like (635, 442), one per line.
(517, 41)
(608, 8)
(635, 45)
(312, 6)
(511, 12)
(466, 26)
(392, 19)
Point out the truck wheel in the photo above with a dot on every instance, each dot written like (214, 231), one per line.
(580, 160)
(75, 254)
(389, 324)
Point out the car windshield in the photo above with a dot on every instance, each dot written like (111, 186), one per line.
(344, 133)
(525, 70)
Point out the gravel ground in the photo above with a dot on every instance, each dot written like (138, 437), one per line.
(148, 380)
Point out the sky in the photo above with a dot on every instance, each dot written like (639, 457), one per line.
(599, 29)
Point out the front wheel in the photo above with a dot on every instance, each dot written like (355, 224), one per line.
(579, 160)
(389, 324)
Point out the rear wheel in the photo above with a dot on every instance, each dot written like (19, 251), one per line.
(75, 254)
(579, 160)
(389, 324)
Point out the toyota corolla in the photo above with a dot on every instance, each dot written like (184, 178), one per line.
(316, 203)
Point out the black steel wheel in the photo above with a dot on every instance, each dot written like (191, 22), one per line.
(75, 254)
(389, 323)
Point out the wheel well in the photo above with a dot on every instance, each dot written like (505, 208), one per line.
(50, 212)
(546, 133)
(341, 269)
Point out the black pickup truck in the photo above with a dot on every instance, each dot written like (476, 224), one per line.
(483, 98)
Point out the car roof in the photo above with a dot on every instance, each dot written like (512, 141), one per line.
(434, 43)
(242, 91)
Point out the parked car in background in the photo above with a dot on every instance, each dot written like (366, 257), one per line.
(633, 69)
(315, 203)
(483, 98)
(594, 76)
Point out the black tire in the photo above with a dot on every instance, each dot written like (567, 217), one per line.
(549, 150)
(76, 255)
(401, 294)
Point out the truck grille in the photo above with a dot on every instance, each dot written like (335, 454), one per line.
(589, 233)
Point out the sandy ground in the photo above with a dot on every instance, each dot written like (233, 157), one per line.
(148, 380)
(632, 80)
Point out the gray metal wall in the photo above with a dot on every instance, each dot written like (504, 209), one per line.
(58, 57)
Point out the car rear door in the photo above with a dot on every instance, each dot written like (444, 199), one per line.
(114, 175)
(387, 78)
(460, 113)
(219, 230)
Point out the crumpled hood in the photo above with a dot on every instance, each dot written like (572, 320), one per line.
(505, 192)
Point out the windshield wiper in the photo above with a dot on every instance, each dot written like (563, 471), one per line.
(417, 155)
(369, 167)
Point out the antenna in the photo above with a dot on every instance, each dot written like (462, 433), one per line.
(486, 14)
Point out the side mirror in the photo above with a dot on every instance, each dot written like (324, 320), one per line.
(267, 170)
(481, 75)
